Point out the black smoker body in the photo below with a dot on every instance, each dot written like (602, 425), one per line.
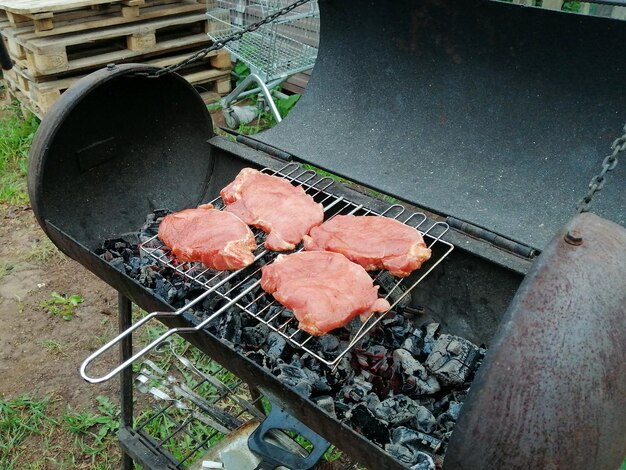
(472, 110)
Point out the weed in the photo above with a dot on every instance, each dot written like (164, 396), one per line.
(5, 270)
(43, 251)
(16, 135)
(62, 305)
(19, 419)
(55, 347)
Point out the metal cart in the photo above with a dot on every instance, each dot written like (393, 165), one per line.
(273, 52)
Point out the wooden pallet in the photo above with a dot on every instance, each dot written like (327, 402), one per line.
(81, 51)
(95, 16)
(39, 96)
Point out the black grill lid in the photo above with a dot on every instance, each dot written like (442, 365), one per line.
(489, 112)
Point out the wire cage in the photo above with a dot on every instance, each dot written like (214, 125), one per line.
(276, 50)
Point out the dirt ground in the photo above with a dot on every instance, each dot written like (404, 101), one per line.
(40, 353)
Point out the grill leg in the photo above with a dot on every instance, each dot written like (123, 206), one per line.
(126, 376)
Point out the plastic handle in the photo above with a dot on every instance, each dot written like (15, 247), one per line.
(275, 456)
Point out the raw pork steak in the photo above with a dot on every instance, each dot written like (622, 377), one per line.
(218, 239)
(374, 242)
(325, 290)
(283, 211)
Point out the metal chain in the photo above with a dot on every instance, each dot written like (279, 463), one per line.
(220, 44)
(608, 164)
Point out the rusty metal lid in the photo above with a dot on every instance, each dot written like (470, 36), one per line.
(489, 112)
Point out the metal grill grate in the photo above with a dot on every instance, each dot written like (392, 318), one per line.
(242, 288)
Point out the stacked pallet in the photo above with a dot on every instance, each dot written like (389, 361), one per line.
(54, 43)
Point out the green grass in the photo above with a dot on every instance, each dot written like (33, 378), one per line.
(57, 348)
(16, 135)
(19, 420)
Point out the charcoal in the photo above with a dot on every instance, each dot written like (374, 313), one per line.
(398, 410)
(275, 345)
(452, 359)
(372, 401)
(272, 312)
(401, 453)
(404, 360)
(255, 336)
(429, 338)
(414, 343)
(318, 382)
(415, 378)
(328, 343)
(447, 420)
(441, 405)
(414, 440)
(424, 420)
(210, 303)
(118, 263)
(423, 462)
(408, 446)
(357, 390)
(454, 409)
(326, 403)
(172, 295)
(295, 378)
(364, 422)
(229, 327)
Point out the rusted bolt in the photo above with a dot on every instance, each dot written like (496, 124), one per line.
(573, 237)
(110, 66)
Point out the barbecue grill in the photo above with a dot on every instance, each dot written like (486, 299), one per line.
(491, 120)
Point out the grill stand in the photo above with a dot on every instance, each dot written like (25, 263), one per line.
(126, 377)
(137, 447)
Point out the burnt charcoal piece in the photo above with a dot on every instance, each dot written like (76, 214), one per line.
(424, 420)
(328, 343)
(357, 390)
(228, 327)
(447, 420)
(408, 446)
(364, 422)
(429, 338)
(452, 359)
(424, 462)
(118, 263)
(326, 403)
(415, 441)
(399, 410)
(414, 378)
(414, 343)
(275, 345)
(294, 377)
(255, 336)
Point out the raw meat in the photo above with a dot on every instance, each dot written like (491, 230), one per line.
(374, 242)
(325, 290)
(283, 211)
(218, 239)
